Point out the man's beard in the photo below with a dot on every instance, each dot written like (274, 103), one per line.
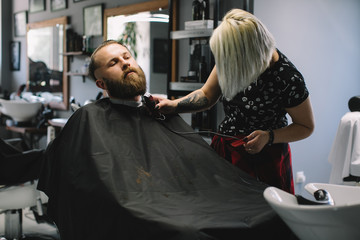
(127, 86)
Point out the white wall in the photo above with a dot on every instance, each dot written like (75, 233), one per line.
(322, 38)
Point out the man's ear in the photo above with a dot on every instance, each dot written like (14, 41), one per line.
(100, 84)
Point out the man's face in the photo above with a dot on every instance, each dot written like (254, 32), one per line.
(120, 72)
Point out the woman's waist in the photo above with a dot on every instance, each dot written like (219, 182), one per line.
(246, 129)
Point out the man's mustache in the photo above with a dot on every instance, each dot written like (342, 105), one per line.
(129, 70)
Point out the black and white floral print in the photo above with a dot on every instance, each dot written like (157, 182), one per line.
(262, 104)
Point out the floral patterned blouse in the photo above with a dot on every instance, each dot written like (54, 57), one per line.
(262, 104)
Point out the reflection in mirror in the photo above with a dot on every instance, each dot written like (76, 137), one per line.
(46, 66)
(142, 28)
(47, 62)
(132, 30)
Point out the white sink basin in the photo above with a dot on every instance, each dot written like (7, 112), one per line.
(20, 110)
(317, 222)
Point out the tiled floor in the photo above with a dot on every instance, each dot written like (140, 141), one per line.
(31, 227)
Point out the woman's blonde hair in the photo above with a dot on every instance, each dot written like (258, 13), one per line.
(242, 48)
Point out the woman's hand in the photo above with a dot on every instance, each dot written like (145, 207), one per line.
(256, 141)
(165, 105)
(301, 127)
(198, 100)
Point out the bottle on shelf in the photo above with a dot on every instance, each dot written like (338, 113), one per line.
(200, 10)
(73, 41)
(196, 10)
(205, 9)
(87, 44)
(202, 70)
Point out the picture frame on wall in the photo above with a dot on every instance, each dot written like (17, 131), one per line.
(37, 6)
(93, 20)
(15, 55)
(20, 21)
(57, 5)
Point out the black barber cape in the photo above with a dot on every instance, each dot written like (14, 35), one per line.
(114, 172)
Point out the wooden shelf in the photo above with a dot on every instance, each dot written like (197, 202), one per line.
(193, 33)
(77, 74)
(185, 86)
(83, 75)
(79, 53)
(197, 34)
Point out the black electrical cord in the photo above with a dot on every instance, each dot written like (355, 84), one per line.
(149, 102)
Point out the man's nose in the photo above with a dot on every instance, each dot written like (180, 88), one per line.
(125, 64)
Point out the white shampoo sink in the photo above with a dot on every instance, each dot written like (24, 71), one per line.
(20, 110)
(338, 221)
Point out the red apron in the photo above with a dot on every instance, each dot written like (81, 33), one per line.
(272, 165)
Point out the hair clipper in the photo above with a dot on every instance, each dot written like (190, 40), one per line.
(150, 104)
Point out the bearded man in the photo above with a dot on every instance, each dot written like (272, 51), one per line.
(117, 72)
(117, 172)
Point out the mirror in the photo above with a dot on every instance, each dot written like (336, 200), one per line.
(144, 29)
(47, 63)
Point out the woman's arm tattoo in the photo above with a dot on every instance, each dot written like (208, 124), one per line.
(193, 102)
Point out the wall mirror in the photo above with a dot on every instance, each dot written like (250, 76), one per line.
(144, 28)
(47, 64)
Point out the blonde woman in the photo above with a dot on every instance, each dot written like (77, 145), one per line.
(258, 86)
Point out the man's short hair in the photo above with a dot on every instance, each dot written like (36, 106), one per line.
(93, 65)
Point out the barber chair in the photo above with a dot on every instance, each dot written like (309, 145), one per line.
(15, 197)
(345, 153)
